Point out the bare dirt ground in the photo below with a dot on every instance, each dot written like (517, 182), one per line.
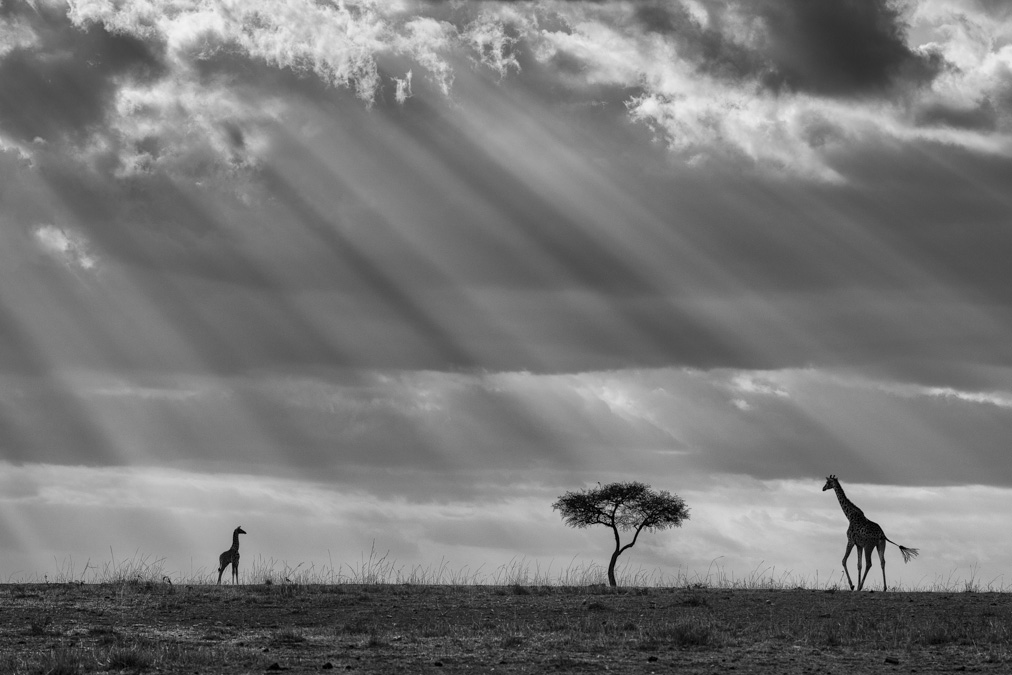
(147, 627)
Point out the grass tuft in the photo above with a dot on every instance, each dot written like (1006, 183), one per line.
(64, 661)
(287, 636)
(511, 642)
(685, 634)
(121, 657)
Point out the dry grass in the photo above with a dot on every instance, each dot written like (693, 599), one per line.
(144, 626)
(129, 615)
(375, 568)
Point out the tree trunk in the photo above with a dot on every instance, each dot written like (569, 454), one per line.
(614, 559)
(611, 569)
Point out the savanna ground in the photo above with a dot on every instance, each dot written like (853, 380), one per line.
(152, 626)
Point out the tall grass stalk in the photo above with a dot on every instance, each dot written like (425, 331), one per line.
(374, 568)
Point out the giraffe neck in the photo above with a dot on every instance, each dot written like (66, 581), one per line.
(849, 509)
(235, 541)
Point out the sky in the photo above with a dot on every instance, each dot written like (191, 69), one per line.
(395, 275)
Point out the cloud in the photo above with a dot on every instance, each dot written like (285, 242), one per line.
(135, 85)
(60, 85)
(342, 45)
(494, 46)
(403, 91)
(128, 391)
(68, 247)
(748, 383)
(977, 116)
(976, 91)
(822, 47)
(429, 40)
(779, 84)
(178, 127)
(16, 33)
(998, 399)
(840, 48)
(783, 84)
(703, 109)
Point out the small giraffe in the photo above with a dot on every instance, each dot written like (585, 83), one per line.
(231, 557)
(865, 535)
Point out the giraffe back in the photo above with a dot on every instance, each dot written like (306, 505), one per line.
(863, 532)
(228, 557)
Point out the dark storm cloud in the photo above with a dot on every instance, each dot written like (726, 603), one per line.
(62, 85)
(840, 47)
(980, 117)
(825, 47)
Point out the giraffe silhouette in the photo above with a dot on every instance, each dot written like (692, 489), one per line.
(865, 535)
(231, 557)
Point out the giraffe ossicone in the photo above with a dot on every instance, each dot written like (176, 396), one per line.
(865, 535)
(231, 557)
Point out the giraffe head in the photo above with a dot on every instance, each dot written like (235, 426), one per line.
(239, 530)
(831, 483)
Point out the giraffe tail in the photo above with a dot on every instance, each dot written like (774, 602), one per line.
(908, 553)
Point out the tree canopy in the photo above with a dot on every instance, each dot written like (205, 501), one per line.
(622, 506)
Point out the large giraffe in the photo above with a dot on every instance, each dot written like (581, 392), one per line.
(865, 535)
(231, 556)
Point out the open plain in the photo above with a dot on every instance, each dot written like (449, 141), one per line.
(152, 627)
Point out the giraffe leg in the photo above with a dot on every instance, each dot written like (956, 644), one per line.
(220, 570)
(882, 559)
(860, 577)
(846, 555)
(235, 572)
(867, 564)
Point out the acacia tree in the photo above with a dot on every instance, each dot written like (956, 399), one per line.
(622, 506)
